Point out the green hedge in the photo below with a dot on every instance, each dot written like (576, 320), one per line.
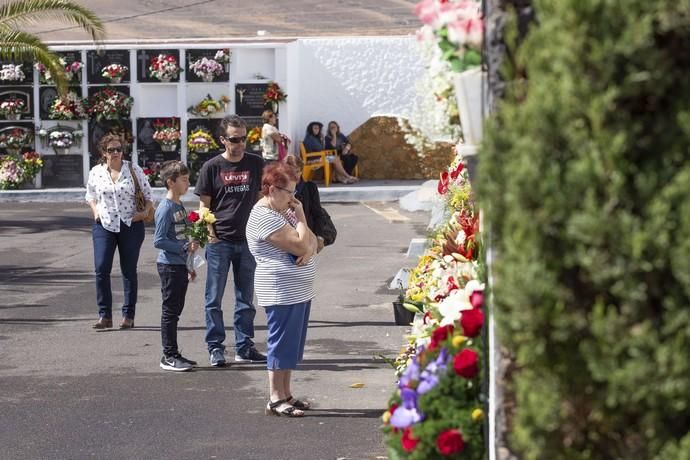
(585, 179)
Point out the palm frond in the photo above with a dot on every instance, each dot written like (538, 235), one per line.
(24, 47)
(27, 12)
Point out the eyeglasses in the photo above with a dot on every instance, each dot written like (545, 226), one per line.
(235, 139)
(291, 192)
(114, 149)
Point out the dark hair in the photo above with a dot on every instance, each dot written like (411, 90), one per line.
(231, 120)
(278, 174)
(172, 170)
(266, 115)
(107, 139)
(309, 126)
(336, 125)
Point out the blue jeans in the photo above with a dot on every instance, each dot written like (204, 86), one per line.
(128, 243)
(219, 257)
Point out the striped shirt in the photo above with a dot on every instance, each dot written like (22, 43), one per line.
(277, 280)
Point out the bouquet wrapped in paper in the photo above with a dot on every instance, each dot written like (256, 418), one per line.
(198, 231)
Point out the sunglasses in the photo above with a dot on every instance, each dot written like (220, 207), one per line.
(291, 192)
(114, 149)
(235, 139)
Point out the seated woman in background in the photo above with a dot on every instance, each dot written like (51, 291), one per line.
(339, 141)
(313, 142)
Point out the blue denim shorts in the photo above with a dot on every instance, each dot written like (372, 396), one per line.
(287, 334)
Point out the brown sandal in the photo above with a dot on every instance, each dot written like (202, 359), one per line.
(302, 405)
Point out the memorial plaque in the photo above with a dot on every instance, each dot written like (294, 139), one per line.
(193, 55)
(98, 130)
(148, 159)
(46, 96)
(249, 99)
(146, 144)
(144, 61)
(69, 57)
(97, 59)
(19, 92)
(60, 171)
(27, 69)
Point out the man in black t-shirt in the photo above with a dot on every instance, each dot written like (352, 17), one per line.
(229, 185)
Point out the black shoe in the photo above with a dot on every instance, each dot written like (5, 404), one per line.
(185, 360)
(251, 356)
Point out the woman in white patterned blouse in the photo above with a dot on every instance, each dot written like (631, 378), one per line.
(117, 224)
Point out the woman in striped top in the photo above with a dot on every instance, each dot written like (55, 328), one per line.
(284, 250)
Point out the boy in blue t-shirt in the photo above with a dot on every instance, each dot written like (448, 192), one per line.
(169, 237)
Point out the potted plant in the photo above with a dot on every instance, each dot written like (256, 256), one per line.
(254, 138)
(167, 133)
(114, 72)
(223, 57)
(109, 104)
(206, 69)
(164, 67)
(72, 70)
(209, 106)
(12, 72)
(201, 141)
(12, 108)
(15, 140)
(68, 107)
(16, 171)
(274, 95)
(403, 311)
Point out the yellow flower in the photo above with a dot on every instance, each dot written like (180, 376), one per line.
(386, 417)
(477, 415)
(458, 340)
(207, 216)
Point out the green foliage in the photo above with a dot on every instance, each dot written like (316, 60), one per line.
(585, 177)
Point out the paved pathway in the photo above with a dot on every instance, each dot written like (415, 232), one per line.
(67, 391)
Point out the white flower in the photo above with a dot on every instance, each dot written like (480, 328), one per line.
(451, 306)
(473, 285)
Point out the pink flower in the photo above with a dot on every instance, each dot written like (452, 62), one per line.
(428, 12)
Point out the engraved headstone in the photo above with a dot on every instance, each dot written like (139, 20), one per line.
(60, 171)
(96, 60)
(249, 99)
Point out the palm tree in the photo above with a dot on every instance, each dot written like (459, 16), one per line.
(16, 45)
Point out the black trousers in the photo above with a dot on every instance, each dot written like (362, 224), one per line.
(349, 162)
(174, 284)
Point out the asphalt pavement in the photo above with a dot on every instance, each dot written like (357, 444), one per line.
(69, 391)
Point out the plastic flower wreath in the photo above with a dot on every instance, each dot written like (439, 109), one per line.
(114, 71)
(12, 106)
(109, 104)
(457, 27)
(167, 131)
(200, 140)
(164, 67)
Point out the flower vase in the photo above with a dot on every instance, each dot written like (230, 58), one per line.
(115, 80)
(274, 107)
(61, 150)
(14, 116)
(403, 316)
(207, 78)
(201, 149)
(470, 88)
(168, 147)
(165, 79)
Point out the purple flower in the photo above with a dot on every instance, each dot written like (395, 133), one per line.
(410, 374)
(407, 414)
(428, 382)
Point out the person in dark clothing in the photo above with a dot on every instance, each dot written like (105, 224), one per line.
(314, 142)
(339, 141)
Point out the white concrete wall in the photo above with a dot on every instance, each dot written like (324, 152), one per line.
(350, 79)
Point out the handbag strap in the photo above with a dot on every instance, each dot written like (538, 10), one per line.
(137, 187)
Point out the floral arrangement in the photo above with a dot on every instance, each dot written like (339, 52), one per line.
(152, 174)
(200, 221)
(164, 67)
(68, 107)
(167, 131)
(208, 106)
(254, 135)
(12, 72)
(200, 141)
(63, 139)
(15, 171)
(223, 56)
(12, 106)
(457, 27)
(274, 93)
(71, 71)
(109, 104)
(436, 410)
(16, 139)
(114, 72)
(206, 68)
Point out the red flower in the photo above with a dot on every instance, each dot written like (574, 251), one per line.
(472, 321)
(477, 299)
(193, 216)
(408, 442)
(465, 363)
(443, 183)
(440, 334)
(148, 172)
(451, 284)
(450, 442)
(392, 408)
(454, 174)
